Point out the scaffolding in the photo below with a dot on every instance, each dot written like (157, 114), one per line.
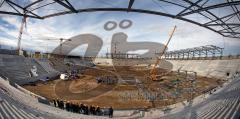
(208, 51)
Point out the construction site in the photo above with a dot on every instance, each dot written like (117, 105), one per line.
(66, 59)
(131, 91)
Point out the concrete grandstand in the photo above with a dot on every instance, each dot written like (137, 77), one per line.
(126, 70)
(223, 98)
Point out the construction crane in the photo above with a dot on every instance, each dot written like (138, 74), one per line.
(24, 23)
(61, 43)
(61, 40)
(19, 50)
(153, 73)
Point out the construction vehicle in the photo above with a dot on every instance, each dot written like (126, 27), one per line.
(153, 73)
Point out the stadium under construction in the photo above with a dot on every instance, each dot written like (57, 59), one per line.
(196, 81)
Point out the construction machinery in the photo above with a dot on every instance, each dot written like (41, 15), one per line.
(24, 23)
(47, 38)
(153, 73)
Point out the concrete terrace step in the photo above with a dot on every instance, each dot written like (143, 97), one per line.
(12, 109)
(46, 65)
(230, 112)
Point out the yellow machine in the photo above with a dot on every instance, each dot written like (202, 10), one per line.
(153, 73)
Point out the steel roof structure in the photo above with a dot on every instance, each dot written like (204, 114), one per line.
(196, 52)
(220, 16)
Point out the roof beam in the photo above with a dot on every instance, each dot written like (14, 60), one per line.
(68, 5)
(227, 24)
(231, 32)
(190, 6)
(130, 4)
(13, 7)
(33, 3)
(230, 15)
(215, 20)
(199, 7)
(234, 27)
(204, 3)
(43, 6)
(24, 10)
(233, 8)
(169, 2)
(131, 10)
(230, 36)
(212, 7)
(2, 3)
(19, 14)
(71, 5)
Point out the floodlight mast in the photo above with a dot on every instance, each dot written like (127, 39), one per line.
(153, 72)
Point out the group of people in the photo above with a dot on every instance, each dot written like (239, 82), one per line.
(107, 80)
(82, 108)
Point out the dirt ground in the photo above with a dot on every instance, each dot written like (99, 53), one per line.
(132, 91)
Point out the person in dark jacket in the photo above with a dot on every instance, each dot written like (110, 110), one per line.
(62, 104)
(86, 110)
(81, 108)
(93, 110)
(58, 103)
(98, 111)
(110, 112)
(67, 106)
(54, 102)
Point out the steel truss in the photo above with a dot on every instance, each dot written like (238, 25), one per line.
(122, 55)
(221, 24)
(195, 53)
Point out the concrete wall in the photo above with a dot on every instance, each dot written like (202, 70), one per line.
(17, 69)
(209, 68)
(123, 62)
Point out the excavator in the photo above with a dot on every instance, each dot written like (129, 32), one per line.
(153, 73)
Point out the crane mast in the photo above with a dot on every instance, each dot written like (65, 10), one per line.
(20, 35)
(153, 72)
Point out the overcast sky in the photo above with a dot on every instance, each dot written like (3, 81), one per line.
(145, 27)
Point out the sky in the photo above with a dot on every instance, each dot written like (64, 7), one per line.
(145, 27)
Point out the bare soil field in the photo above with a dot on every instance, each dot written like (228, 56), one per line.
(132, 91)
